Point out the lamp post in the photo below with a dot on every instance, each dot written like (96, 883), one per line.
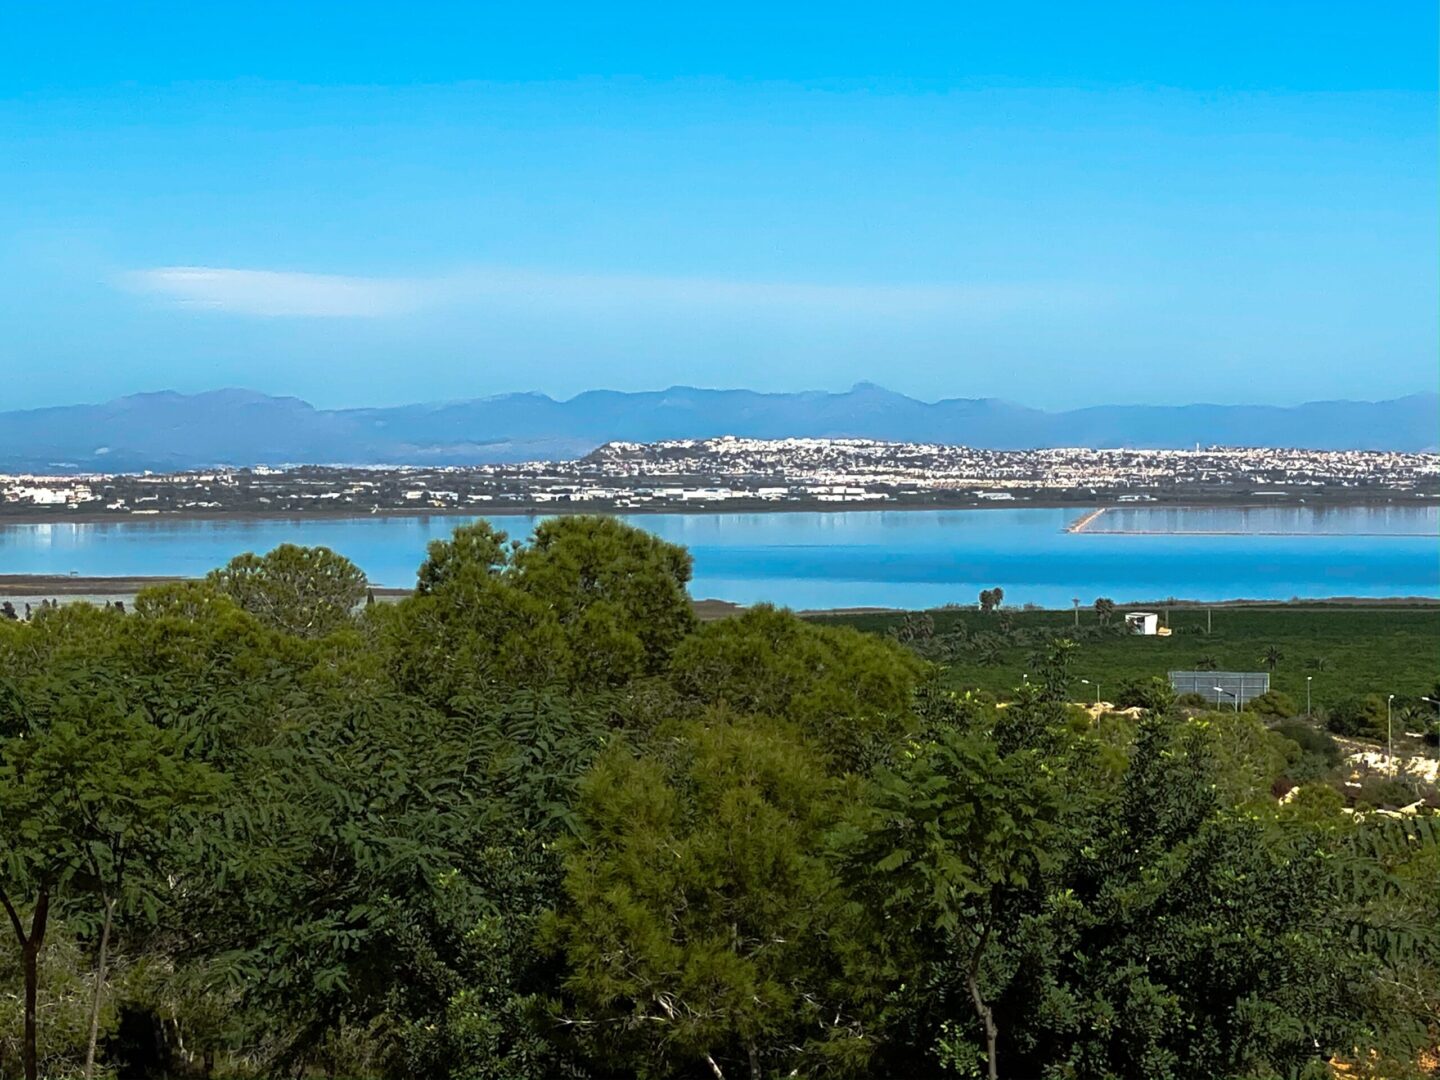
(1229, 694)
(1389, 735)
(1087, 682)
(1308, 713)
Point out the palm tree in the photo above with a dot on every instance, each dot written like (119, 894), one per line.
(1207, 663)
(987, 649)
(1317, 664)
(1272, 656)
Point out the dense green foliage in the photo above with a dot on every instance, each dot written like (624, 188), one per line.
(534, 820)
(1343, 649)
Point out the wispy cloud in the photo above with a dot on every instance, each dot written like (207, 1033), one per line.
(278, 293)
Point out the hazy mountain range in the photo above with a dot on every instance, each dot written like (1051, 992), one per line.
(167, 430)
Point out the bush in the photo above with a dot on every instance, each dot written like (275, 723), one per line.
(1192, 700)
(1310, 740)
(1154, 694)
(1273, 705)
(1358, 717)
(1385, 793)
(1314, 803)
(1312, 754)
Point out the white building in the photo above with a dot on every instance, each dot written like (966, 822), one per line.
(1142, 622)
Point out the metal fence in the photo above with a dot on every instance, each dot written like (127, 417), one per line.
(1221, 687)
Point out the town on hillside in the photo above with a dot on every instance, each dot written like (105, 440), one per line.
(740, 473)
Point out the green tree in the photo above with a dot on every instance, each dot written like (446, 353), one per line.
(916, 628)
(306, 591)
(1050, 668)
(476, 550)
(473, 1003)
(700, 922)
(770, 842)
(987, 650)
(64, 996)
(1184, 938)
(1104, 610)
(1246, 756)
(92, 793)
(618, 593)
(472, 633)
(1272, 656)
(845, 689)
(335, 850)
(947, 839)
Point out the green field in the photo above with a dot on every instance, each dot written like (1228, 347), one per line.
(1345, 650)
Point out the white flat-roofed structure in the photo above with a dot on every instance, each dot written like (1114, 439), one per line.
(1142, 622)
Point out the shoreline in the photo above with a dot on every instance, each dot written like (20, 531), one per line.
(40, 586)
(1250, 532)
(1095, 508)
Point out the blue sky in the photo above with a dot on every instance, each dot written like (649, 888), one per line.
(1061, 204)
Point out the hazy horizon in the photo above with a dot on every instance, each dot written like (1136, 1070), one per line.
(658, 389)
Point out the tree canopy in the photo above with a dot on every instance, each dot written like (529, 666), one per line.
(534, 819)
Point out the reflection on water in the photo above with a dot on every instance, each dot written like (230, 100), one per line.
(880, 558)
(1272, 520)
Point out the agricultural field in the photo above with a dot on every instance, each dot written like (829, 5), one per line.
(1344, 650)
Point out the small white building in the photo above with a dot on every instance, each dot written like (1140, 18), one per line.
(1142, 622)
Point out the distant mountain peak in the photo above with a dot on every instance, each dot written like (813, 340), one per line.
(169, 430)
(229, 395)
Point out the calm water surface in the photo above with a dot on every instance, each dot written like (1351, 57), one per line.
(1421, 521)
(884, 558)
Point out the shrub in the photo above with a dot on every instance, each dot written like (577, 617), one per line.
(1312, 753)
(1310, 740)
(1273, 705)
(1385, 793)
(1360, 717)
(1314, 803)
(1154, 694)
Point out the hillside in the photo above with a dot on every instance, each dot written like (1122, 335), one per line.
(168, 430)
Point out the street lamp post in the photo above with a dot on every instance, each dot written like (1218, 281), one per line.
(1389, 734)
(1087, 682)
(1308, 713)
(1229, 694)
